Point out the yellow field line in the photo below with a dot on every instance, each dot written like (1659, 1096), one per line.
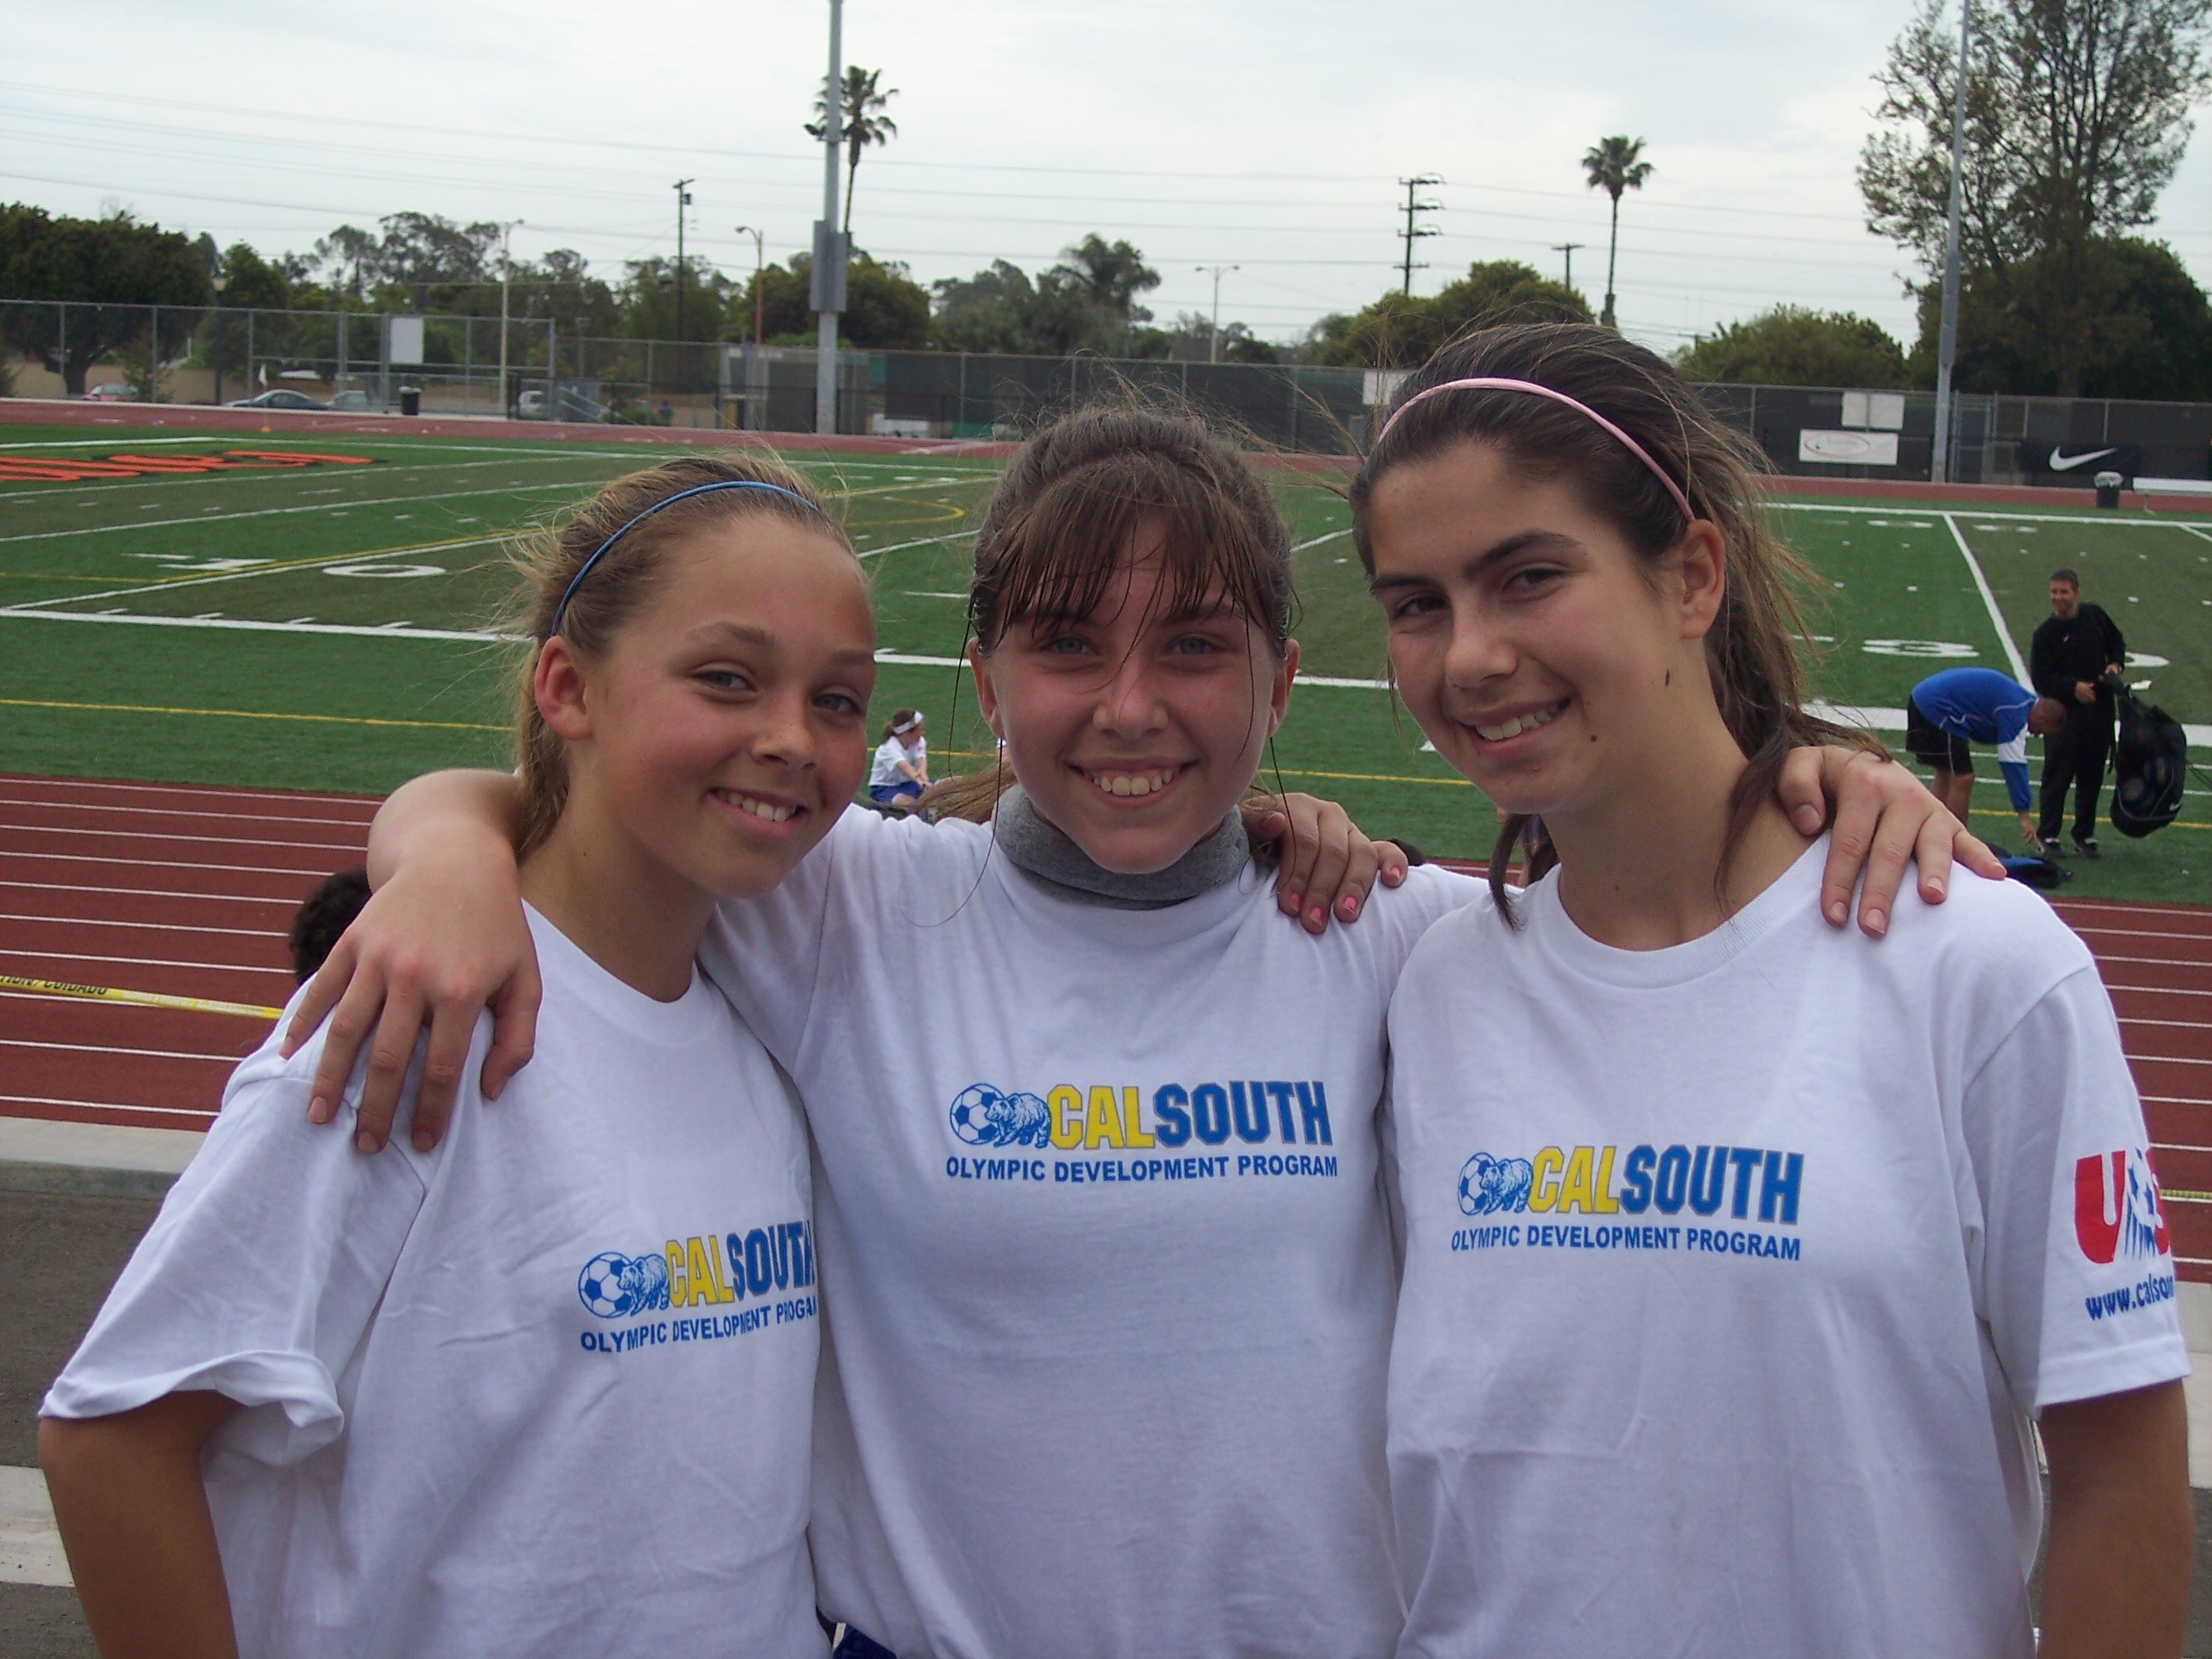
(248, 715)
(55, 987)
(1992, 813)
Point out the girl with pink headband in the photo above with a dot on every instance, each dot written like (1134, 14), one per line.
(1742, 1253)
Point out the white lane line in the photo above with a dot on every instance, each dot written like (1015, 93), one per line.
(153, 834)
(1989, 600)
(40, 805)
(106, 1106)
(102, 1049)
(159, 864)
(2200, 535)
(266, 797)
(154, 893)
(147, 962)
(202, 927)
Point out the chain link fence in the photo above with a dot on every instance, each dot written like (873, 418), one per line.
(457, 365)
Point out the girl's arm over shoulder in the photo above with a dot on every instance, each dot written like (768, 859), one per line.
(441, 938)
(134, 1520)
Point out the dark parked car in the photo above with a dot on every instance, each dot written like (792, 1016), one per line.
(279, 397)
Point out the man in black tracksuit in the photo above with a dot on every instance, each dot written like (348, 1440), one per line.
(2074, 648)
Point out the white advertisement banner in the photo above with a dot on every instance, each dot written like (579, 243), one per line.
(1848, 448)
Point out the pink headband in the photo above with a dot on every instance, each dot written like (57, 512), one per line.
(1489, 383)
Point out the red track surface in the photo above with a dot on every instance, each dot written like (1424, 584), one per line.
(188, 891)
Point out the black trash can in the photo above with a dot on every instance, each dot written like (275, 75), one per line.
(410, 403)
(2108, 489)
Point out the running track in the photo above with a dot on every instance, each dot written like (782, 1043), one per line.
(188, 891)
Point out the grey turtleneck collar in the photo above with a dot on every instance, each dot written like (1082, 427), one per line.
(1050, 857)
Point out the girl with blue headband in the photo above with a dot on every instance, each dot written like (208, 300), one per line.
(1743, 1255)
(1108, 1268)
(611, 1274)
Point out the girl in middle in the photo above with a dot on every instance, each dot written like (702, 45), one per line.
(1107, 1270)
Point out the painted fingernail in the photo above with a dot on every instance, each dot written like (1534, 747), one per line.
(1294, 900)
(364, 1142)
(1351, 908)
(1316, 915)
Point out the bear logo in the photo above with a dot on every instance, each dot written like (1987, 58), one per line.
(1493, 1186)
(984, 1116)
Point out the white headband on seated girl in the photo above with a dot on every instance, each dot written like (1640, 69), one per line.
(900, 730)
(1489, 383)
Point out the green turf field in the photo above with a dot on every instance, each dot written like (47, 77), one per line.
(327, 627)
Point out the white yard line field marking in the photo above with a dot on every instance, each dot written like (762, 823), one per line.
(2106, 518)
(382, 630)
(1300, 547)
(169, 585)
(1989, 600)
(919, 541)
(340, 505)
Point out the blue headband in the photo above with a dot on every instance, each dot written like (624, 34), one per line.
(600, 552)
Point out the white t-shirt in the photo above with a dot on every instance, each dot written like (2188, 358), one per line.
(889, 753)
(1105, 1265)
(547, 1389)
(1734, 1271)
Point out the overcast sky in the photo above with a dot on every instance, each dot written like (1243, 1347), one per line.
(1267, 134)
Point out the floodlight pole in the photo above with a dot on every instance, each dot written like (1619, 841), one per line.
(1213, 332)
(1946, 343)
(683, 201)
(828, 284)
(506, 275)
(760, 261)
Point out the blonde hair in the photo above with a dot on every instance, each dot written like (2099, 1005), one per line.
(546, 563)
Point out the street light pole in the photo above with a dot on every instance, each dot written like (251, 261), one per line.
(506, 275)
(830, 284)
(1947, 342)
(218, 282)
(1568, 249)
(760, 260)
(683, 201)
(1214, 330)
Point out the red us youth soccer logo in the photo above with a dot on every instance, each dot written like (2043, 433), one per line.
(2116, 1206)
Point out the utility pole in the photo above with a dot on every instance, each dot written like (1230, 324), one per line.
(1568, 249)
(683, 201)
(760, 261)
(1414, 230)
(1947, 342)
(505, 274)
(1213, 333)
(828, 295)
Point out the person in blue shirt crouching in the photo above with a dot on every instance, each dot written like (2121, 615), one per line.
(1948, 711)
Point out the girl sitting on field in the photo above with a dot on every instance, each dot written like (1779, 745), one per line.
(1741, 1253)
(605, 1286)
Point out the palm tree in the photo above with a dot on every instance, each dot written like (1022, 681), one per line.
(862, 107)
(1613, 165)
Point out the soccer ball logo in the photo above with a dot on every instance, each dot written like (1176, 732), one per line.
(1494, 1186)
(614, 1285)
(984, 1116)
